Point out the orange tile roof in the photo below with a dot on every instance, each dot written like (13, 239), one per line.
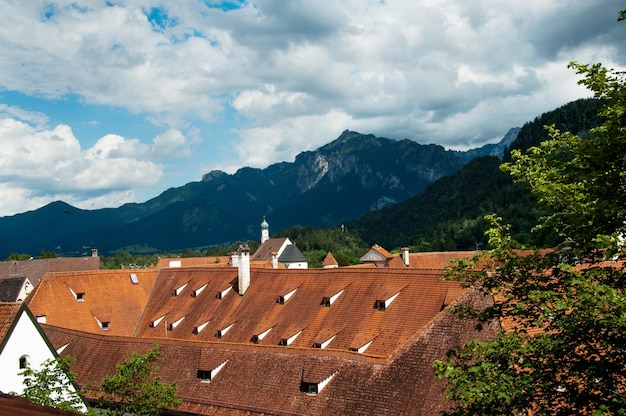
(437, 260)
(8, 311)
(329, 260)
(192, 261)
(109, 296)
(269, 379)
(422, 295)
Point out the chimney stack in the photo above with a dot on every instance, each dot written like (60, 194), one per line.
(94, 252)
(243, 279)
(274, 260)
(405, 256)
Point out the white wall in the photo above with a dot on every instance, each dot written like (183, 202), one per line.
(24, 340)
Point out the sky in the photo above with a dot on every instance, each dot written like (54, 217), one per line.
(108, 102)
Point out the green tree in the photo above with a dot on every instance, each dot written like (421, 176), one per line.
(132, 389)
(53, 385)
(19, 256)
(563, 350)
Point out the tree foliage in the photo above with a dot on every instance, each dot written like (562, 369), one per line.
(53, 385)
(563, 347)
(133, 390)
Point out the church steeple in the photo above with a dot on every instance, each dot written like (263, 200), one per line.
(265, 231)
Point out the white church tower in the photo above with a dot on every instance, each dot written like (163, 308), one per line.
(265, 231)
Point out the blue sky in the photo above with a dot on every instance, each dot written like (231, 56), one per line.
(107, 102)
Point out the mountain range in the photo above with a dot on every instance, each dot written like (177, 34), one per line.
(340, 181)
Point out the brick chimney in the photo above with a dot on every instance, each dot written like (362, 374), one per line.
(405, 256)
(243, 280)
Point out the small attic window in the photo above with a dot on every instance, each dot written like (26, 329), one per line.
(195, 293)
(206, 376)
(329, 300)
(284, 298)
(383, 304)
(62, 348)
(258, 338)
(41, 319)
(221, 332)
(104, 325)
(156, 321)
(362, 348)
(133, 279)
(79, 296)
(313, 389)
(290, 340)
(199, 328)
(324, 344)
(174, 324)
(220, 295)
(177, 291)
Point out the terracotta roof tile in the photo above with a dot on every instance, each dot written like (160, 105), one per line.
(273, 245)
(329, 260)
(8, 311)
(109, 295)
(192, 262)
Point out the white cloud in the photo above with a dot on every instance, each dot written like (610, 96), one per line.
(283, 77)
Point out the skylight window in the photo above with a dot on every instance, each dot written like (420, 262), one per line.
(179, 289)
(174, 324)
(329, 300)
(133, 279)
(284, 298)
(199, 290)
(199, 328)
(290, 340)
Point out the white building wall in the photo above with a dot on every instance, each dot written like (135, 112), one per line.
(25, 340)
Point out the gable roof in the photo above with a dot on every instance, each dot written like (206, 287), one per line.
(11, 287)
(291, 254)
(272, 245)
(8, 312)
(329, 260)
(35, 269)
(107, 296)
(269, 379)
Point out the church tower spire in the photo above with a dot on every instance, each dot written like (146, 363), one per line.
(265, 231)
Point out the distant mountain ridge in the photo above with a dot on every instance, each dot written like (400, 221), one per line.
(354, 174)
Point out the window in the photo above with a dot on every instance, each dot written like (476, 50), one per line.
(24, 362)
(174, 324)
(382, 305)
(290, 340)
(362, 348)
(324, 344)
(284, 298)
(221, 332)
(220, 295)
(79, 296)
(199, 290)
(104, 325)
(133, 279)
(258, 338)
(329, 300)
(156, 321)
(177, 291)
(41, 319)
(199, 328)
(207, 375)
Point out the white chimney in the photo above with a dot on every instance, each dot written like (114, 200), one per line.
(94, 252)
(244, 269)
(274, 260)
(405, 256)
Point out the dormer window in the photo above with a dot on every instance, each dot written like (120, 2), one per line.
(199, 290)
(174, 324)
(177, 291)
(220, 295)
(383, 304)
(79, 296)
(362, 348)
(329, 300)
(207, 375)
(258, 338)
(156, 321)
(199, 328)
(221, 332)
(104, 325)
(314, 388)
(284, 298)
(324, 344)
(290, 340)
